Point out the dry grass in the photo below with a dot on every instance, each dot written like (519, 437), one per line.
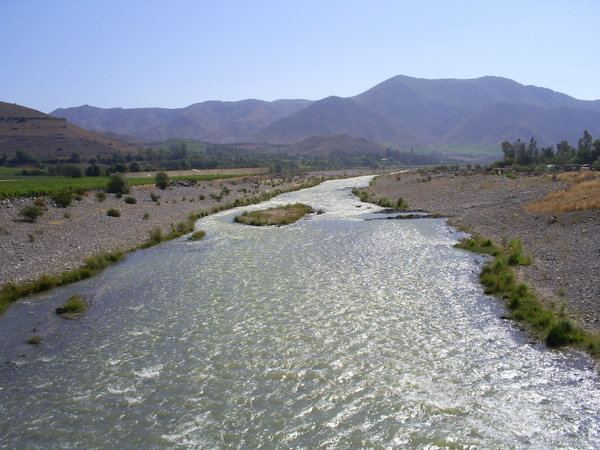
(583, 193)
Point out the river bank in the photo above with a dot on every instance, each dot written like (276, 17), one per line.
(62, 238)
(564, 245)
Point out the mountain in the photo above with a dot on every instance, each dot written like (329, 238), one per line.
(403, 111)
(339, 144)
(420, 112)
(41, 135)
(212, 121)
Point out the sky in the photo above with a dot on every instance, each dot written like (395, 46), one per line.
(141, 53)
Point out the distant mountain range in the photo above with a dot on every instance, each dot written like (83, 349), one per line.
(41, 135)
(403, 111)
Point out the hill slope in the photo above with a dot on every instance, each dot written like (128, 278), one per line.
(44, 136)
(402, 110)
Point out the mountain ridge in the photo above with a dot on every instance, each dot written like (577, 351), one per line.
(401, 110)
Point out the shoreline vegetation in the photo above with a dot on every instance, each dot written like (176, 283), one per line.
(551, 323)
(94, 264)
(279, 215)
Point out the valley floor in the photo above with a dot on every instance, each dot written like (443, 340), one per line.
(565, 245)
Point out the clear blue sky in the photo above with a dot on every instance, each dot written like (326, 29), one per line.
(63, 53)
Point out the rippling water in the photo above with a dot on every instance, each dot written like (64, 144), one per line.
(332, 332)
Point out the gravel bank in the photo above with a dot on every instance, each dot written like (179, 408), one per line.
(565, 246)
(63, 237)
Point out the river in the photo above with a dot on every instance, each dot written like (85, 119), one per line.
(335, 331)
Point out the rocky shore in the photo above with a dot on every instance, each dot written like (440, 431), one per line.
(565, 245)
(63, 237)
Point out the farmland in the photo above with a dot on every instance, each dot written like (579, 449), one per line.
(31, 186)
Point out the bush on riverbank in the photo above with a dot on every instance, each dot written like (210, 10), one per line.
(280, 215)
(498, 278)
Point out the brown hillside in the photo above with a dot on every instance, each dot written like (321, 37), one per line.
(44, 136)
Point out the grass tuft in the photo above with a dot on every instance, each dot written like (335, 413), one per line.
(197, 235)
(74, 305)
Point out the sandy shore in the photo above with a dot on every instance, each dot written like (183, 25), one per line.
(565, 245)
(63, 237)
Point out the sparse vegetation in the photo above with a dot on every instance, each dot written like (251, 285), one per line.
(113, 212)
(154, 197)
(279, 215)
(100, 196)
(146, 216)
(31, 213)
(130, 200)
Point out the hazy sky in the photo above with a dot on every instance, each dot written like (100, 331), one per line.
(63, 53)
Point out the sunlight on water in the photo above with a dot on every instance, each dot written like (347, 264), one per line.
(333, 332)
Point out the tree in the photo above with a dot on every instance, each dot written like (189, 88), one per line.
(71, 170)
(585, 143)
(118, 184)
(92, 170)
(509, 151)
(162, 180)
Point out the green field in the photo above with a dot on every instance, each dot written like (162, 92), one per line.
(11, 186)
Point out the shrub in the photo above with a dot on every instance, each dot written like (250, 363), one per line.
(401, 204)
(197, 235)
(100, 196)
(154, 197)
(130, 200)
(74, 305)
(162, 180)
(118, 184)
(154, 237)
(62, 198)
(113, 212)
(146, 216)
(31, 213)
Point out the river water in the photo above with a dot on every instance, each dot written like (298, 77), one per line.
(335, 331)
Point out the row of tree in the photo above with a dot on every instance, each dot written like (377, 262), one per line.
(525, 154)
